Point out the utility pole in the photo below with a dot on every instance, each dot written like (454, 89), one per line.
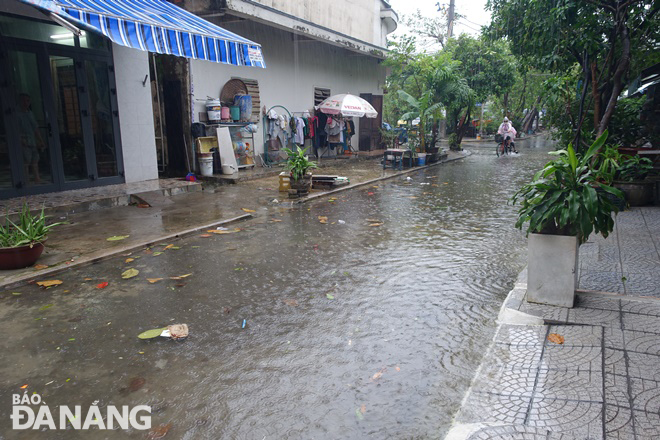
(450, 20)
(481, 121)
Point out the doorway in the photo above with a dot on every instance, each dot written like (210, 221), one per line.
(59, 122)
(369, 138)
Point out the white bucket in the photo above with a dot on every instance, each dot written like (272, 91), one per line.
(228, 169)
(206, 166)
(213, 110)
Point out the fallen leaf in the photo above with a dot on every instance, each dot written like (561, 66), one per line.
(290, 302)
(117, 237)
(159, 432)
(88, 279)
(378, 375)
(169, 246)
(46, 307)
(181, 277)
(130, 273)
(327, 295)
(206, 235)
(363, 408)
(359, 414)
(248, 210)
(102, 285)
(556, 338)
(412, 197)
(157, 254)
(129, 260)
(216, 231)
(40, 266)
(397, 369)
(17, 293)
(373, 220)
(153, 333)
(24, 386)
(175, 248)
(376, 224)
(323, 219)
(136, 383)
(153, 280)
(143, 205)
(72, 339)
(275, 220)
(49, 283)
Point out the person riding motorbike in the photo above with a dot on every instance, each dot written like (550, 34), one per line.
(508, 134)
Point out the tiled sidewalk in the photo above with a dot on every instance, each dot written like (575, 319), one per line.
(603, 381)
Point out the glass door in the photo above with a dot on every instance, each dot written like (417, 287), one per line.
(32, 143)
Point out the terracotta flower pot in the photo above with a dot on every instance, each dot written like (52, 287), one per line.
(20, 257)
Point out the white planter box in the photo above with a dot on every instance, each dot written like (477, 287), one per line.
(552, 270)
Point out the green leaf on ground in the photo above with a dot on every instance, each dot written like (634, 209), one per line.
(153, 333)
(329, 296)
(130, 273)
(47, 306)
(117, 237)
(157, 254)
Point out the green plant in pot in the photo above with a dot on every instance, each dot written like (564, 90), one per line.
(21, 241)
(631, 179)
(299, 167)
(562, 208)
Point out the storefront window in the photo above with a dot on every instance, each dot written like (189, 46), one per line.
(36, 31)
(102, 121)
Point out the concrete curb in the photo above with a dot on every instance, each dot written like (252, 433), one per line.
(105, 254)
(378, 179)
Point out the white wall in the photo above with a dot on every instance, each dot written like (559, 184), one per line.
(293, 70)
(357, 18)
(135, 114)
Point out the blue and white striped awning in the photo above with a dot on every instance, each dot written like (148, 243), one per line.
(157, 26)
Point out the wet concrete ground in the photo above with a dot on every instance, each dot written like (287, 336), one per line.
(367, 324)
(601, 380)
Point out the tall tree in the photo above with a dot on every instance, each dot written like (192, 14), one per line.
(601, 36)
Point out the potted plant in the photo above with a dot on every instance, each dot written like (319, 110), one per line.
(22, 242)
(563, 208)
(631, 179)
(298, 166)
(606, 165)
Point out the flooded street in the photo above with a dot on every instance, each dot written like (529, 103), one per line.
(368, 326)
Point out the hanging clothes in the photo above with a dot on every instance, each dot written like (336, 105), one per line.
(299, 137)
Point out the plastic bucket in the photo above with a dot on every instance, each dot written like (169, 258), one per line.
(235, 112)
(244, 103)
(206, 164)
(421, 159)
(224, 113)
(228, 169)
(213, 110)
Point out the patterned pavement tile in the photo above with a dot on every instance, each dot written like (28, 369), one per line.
(593, 265)
(506, 381)
(618, 423)
(578, 335)
(597, 302)
(516, 432)
(488, 407)
(642, 323)
(584, 420)
(566, 357)
(601, 281)
(641, 307)
(642, 342)
(643, 284)
(513, 357)
(647, 425)
(570, 385)
(549, 313)
(595, 317)
(645, 395)
(644, 366)
(615, 362)
(617, 392)
(521, 335)
(613, 337)
(641, 265)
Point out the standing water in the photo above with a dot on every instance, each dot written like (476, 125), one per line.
(367, 324)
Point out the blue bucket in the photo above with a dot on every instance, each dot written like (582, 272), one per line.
(421, 161)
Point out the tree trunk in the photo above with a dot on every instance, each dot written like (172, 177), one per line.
(461, 128)
(621, 69)
(594, 92)
(587, 75)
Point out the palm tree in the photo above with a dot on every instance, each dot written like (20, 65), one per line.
(423, 108)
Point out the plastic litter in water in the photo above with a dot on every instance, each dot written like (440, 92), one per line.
(341, 222)
(244, 323)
